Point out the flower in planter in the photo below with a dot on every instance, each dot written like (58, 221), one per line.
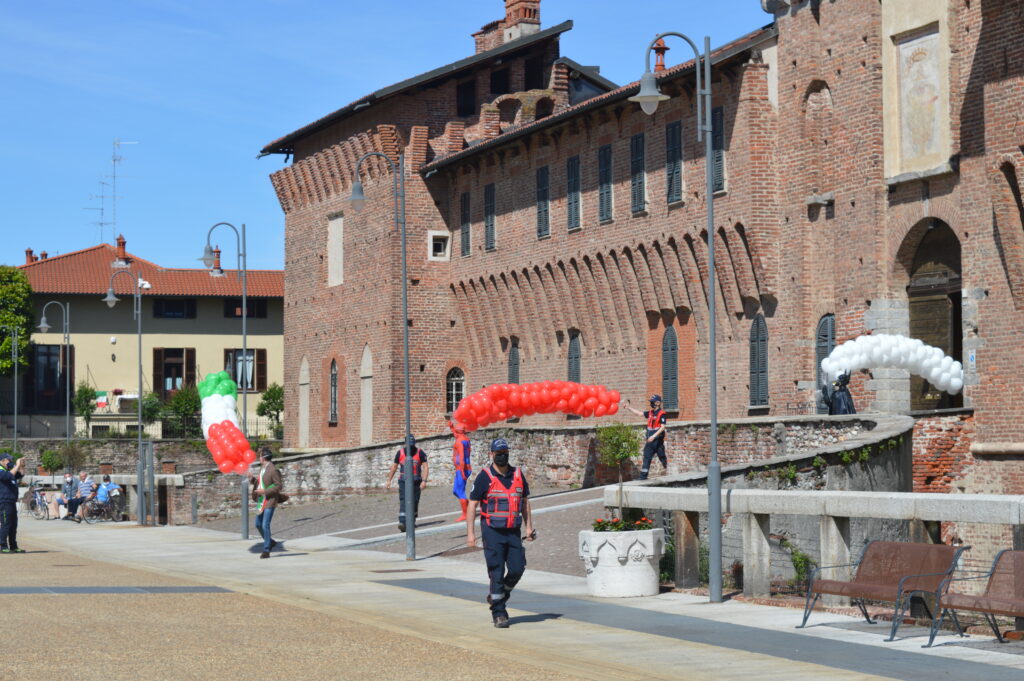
(117, 391)
(619, 525)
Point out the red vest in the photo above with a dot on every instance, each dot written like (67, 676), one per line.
(417, 460)
(654, 419)
(503, 507)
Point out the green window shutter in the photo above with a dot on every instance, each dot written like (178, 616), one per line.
(575, 357)
(759, 362)
(670, 370)
(543, 204)
(824, 343)
(572, 193)
(490, 240)
(464, 222)
(513, 364)
(604, 181)
(674, 162)
(718, 149)
(637, 193)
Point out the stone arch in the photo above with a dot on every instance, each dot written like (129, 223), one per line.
(818, 133)
(545, 107)
(366, 396)
(303, 435)
(1006, 186)
(508, 111)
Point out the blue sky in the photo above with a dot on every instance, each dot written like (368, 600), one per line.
(202, 86)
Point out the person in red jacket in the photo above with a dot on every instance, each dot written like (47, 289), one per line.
(502, 493)
(462, 463)
(654, 442)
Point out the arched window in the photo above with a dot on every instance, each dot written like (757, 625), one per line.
(513, 363)
(574, 358)
(759, 363)
(455, 389)
(333, 392)
(824, 343)
(670, 370)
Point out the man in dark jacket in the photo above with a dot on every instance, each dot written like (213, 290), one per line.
(267, 493)
(10, 474)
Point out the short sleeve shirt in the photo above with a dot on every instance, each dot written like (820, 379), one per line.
(482, 483)
(401, 469)
(104, 490)
(85, 487)
(662, 420)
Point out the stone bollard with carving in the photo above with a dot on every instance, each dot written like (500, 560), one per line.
(622, 564)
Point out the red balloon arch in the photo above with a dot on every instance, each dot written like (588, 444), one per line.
(503, 401)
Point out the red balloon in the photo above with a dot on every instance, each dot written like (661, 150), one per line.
(249, 456)
(545, 397)
(225, 466)
(616, 397)
(590, 403)
(501, 404)
(515, 399)
(503, 416)
(601, 410)
(562, 405)
(613, 408)
(241, 468)
(574, 402)
(566, 392)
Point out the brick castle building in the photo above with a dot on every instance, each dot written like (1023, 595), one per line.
(868, 163)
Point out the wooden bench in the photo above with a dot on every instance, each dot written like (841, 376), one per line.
(1003, 595)
(888, 571)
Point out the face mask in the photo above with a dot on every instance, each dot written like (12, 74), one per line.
(501, 458)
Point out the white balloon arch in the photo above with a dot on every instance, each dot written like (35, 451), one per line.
(896, 352)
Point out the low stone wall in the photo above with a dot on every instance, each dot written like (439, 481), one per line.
(122, 454)
(564, 456)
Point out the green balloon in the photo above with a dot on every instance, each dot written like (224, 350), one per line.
(204, 390)
(210, 378)
(227, 388)
(221, 375)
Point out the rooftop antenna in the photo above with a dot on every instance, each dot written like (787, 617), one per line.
(102, 196)
(115, 159)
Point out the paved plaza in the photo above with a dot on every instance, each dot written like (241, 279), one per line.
(195, 603)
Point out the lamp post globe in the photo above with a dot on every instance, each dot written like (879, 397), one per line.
(649, 96)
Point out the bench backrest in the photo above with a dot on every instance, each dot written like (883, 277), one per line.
(887, 562)
(1007, 578)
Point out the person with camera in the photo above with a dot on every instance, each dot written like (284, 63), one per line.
(502, 493)
(11, 472)
(654, 444)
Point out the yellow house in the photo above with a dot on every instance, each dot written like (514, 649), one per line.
(191, 326)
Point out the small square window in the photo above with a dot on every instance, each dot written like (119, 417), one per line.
(438, 244)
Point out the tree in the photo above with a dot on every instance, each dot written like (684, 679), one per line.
(51, 461)
(617, 443)
(84, 402)
(15, 311)
(184, 405)
(151, 408)
(272, 403)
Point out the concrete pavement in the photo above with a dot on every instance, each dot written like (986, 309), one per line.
(556, 629)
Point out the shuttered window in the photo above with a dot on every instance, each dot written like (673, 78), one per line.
(759, 363)
(574, 358)
(637, 184)
(674, 162)
(464, 223)
(717, 149)
(513, 364)
(489, 236)
(572, 193)
(824, 343)
(251, 375)
(543, 203)
(670, 370)
(333, 392)
(604, 183)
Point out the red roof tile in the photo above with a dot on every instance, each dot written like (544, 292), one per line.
(88, 272)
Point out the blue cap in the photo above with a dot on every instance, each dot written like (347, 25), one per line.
(7, 456)
(499, 444)
(655, 398)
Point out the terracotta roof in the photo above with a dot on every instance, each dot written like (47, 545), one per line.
(88, 272)
(285, 145)
(718, 56)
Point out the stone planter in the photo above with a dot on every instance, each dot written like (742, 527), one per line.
(622, 564)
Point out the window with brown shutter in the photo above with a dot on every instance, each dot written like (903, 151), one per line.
(190, 366)
(236, 369)
(158, 371)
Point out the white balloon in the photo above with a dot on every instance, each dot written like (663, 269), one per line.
(955, 385)
(958, 367)
(946, 363)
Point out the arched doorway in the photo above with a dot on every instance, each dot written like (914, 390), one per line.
(304, 403)
(933, 295)
(366, 397)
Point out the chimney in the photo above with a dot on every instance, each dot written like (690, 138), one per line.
(121, 255)
(29, 258)
(216, 270)
(660, 48)
(522, 18)
(43, 255)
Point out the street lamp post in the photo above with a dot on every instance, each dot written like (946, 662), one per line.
(44, 327)
(649, 97)
(13, 331)
(209, 259)
(357, 200)
(110, 299)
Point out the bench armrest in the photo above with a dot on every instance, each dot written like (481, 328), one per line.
(816, 571)
(899, 589)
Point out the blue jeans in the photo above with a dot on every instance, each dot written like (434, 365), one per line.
(263, 526)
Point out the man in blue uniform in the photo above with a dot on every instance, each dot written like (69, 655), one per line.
(10, 474)
(655, 435)
(503, 493)
(420, 471)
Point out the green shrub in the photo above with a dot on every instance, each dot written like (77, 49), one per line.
(51, 461)
(84, 402)
(617, 443)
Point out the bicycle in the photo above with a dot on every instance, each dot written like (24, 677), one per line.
(37, 505)
(95, 511)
